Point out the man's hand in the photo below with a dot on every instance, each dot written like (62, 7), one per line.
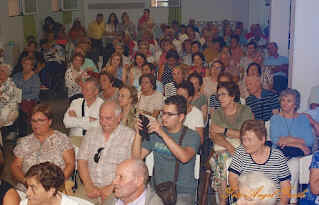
(106, 191)
(92, 191)
(72, 113)
(155, 126)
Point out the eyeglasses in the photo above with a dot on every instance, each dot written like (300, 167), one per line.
(97, 155)
(38, 120)
(169, 114)
(221, 94)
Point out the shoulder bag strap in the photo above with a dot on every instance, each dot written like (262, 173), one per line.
(177, 163)
(83, 115)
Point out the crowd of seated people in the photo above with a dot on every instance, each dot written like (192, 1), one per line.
(182, 78)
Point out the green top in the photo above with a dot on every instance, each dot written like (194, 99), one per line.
(243, 113)
(199, 102)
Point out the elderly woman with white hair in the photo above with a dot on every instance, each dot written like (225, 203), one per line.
(10, 96)
(256, 182)
(291, 132)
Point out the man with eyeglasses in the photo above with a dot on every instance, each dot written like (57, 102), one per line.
(164, 143)
(102, 149)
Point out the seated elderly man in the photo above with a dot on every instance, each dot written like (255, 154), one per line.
(280, 66)
(83, 113)
(10, 96)
(102, 149)
(263, 103)
(131, 184)
(256, 182)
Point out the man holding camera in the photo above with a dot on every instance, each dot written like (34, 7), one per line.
(164, 141)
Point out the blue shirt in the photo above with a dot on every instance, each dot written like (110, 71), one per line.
(310, 198)
(30, 88)
(314, 114)
(280, 60)
(263, 107)
(299, 127)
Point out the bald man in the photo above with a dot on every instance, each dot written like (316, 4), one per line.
(102, 149)
(263, 103)
(130, 185)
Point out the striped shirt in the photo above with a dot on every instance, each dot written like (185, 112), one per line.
(274, 168)
(263, 107)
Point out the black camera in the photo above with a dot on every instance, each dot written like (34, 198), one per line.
(144, 131)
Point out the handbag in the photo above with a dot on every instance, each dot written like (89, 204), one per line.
(291, 152)
(167, 190)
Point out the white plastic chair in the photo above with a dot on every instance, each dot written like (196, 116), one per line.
(304, 170)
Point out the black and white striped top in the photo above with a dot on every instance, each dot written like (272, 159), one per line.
(274, 168)
(263, 107)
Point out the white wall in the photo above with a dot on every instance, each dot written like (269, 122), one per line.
(279, 24)
(305, 55)
(199, 9)
(11, 28)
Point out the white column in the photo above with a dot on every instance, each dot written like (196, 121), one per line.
(304, 55)
(279, 24)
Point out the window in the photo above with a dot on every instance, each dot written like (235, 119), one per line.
(166, 3)
(29, 7)
(56, 5)
(14, 8)
(69, 5)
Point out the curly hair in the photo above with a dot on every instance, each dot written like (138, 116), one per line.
(48, 174)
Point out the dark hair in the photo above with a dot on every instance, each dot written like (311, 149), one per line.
(256, 126)
(188, 86)
(198, 44)
(236, 37)
(133, 92)
(78, 55)
(28, 58)
(225, 74)
(252, 43)
(45, 109)
(231, 87)
(141, 55)
(200, 54)
(32, 42)
(147, 10)
(2, 160)
(179, 101)
(172, 54)
(273, 43)
(48, 174)
(151, 66)
(221, 63)
(109, 75)
(254, 64)
(150, 77)
(186, 41)
(116, 21)
(43, 41)
(99, 15)
(196, 75)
